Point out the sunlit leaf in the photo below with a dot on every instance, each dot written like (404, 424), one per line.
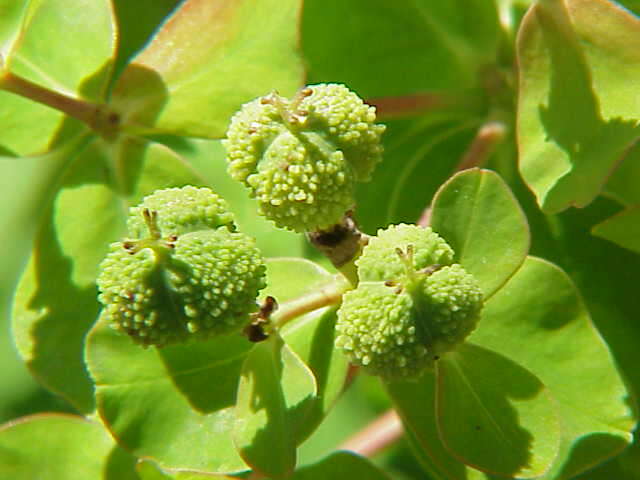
(494, 415)
(67, 447)
(578, 67)
(538, 321)
(476, 213)
(191, 84)
(312, 335)
(193, 385)
(275, 393)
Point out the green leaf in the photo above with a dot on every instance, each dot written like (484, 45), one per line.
(340, 466)
(65, 46)
(486, 411)
(164, 404)
(310, 336)
(578, 67)
(42, 52)
(494, 415)
(13, 12)
(623, 229)
(539, 308)
(539, 321)
(56, 300)
(134, 29)
(275, 393)
(65, 447)
(290, 278)
(191, 83)
(435, 45)
(476, 213)
(28, 184)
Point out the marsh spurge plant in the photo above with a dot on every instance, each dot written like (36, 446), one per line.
(160, 306)
(404, 310)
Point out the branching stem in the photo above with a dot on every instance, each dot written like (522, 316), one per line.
(97, 117)
(329, 294)
(483, 145)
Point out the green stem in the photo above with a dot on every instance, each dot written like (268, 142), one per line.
(330, 294)
(97, 117)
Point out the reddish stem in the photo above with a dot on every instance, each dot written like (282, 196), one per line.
(483, 145)
(379, 434)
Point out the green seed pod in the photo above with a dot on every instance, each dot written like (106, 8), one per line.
(380, 262)
(453, 301)
(203, 284)
(377, 329)
(301, 157)
(399, 330)
(411, 305)
(301, 195)
(180, 211)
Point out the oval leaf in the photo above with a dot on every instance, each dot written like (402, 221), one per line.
(165, 403)
(191, 84)
(275, 393)
(476, 213)
(67, 447)
(539, 321)
(579, 62)
(494, 415)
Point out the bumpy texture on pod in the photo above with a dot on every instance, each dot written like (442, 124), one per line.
(187, 277)
(380, 262)
(180, 211)
(403, 317)
(302, 157)
(345, 120)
